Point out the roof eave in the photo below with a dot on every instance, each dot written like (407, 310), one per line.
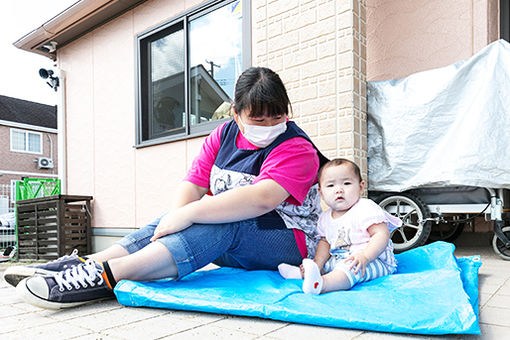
(77, 20)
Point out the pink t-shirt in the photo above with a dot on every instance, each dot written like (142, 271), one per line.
(293, 164)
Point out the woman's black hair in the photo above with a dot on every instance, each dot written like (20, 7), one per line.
(260, 91)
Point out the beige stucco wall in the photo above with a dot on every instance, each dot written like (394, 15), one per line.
(404, 37)
(130, 186)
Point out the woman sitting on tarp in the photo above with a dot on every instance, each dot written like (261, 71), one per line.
(263, 210)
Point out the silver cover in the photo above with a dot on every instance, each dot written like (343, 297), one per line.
(442, 127)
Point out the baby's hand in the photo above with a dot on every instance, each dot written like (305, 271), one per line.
(359, 261)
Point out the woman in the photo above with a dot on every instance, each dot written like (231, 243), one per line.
(261, 170)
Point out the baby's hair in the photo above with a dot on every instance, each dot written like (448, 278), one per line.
(338, 162)
(260, 91)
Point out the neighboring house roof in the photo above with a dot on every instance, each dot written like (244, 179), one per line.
(81, 17)
(27, 112)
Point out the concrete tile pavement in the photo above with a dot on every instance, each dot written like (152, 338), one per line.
(109, 320)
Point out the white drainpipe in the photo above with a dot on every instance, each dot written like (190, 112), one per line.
(61, 125)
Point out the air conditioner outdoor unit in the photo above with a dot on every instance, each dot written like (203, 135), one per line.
(44, 163)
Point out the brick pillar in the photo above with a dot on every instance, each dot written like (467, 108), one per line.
(319, 50)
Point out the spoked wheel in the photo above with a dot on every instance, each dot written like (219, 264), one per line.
(499, 247)
(414, 213)
(446, 231)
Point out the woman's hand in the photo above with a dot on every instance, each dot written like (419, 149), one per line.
(358, 262)
(174, 221)
(177, 219)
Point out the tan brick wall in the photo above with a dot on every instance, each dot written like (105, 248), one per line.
(319, 50)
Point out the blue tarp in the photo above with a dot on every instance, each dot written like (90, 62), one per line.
(432, 293)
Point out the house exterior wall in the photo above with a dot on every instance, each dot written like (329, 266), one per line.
(323, 51)
(405, 37)
(322, 64)
(319, 49)
(15, 165)
(130, 186)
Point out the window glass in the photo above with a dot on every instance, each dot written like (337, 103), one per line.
(18, 140)
(504, 19)
(215, 52)
(167, 85)
(34, 142)
(187, 71)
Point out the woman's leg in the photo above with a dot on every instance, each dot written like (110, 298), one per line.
(259, 247)
(150, 263)
(174, 255)
(112, 252)
(134, 257)
(135, 241)
(90, 281)
(241, 244)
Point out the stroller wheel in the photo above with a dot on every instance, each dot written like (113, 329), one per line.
(499, 247)
(446, 231)
(414, 214)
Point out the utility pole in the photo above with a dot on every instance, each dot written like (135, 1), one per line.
(213, 65)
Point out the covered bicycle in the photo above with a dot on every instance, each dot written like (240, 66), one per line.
(438, 151)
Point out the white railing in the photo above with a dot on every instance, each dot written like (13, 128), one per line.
(7, 227)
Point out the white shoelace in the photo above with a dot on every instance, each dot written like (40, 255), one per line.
(79, 276)
(73, 254)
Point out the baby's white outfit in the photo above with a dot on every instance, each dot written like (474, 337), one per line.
(348, 235)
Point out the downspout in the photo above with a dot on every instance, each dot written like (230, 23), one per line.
(61, 136)
(51, 149)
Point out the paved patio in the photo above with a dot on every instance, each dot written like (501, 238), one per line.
(109, 320)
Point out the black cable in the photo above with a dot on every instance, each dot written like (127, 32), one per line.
(472, 217)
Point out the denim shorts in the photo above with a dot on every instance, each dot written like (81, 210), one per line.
(244, 244)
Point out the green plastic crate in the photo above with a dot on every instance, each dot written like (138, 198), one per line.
(37, 187)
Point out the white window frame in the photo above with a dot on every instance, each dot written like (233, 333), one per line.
(27, 132)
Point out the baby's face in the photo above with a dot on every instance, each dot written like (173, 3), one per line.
(340, 188)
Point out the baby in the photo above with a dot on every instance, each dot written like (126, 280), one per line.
(355, 244)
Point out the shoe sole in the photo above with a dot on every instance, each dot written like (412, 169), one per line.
(25, 294)
(13, 275)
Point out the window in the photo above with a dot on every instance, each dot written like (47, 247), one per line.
(504, 19)
(26, 141)
(187, 71)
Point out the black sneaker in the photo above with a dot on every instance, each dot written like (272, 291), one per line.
(76, 286)
(8, 254)
(13, 275)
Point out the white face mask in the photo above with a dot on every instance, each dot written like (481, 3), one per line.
(262, 136)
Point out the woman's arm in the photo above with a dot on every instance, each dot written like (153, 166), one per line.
(233, 205)
(187, 192)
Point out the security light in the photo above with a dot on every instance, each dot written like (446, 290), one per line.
(52, 82)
